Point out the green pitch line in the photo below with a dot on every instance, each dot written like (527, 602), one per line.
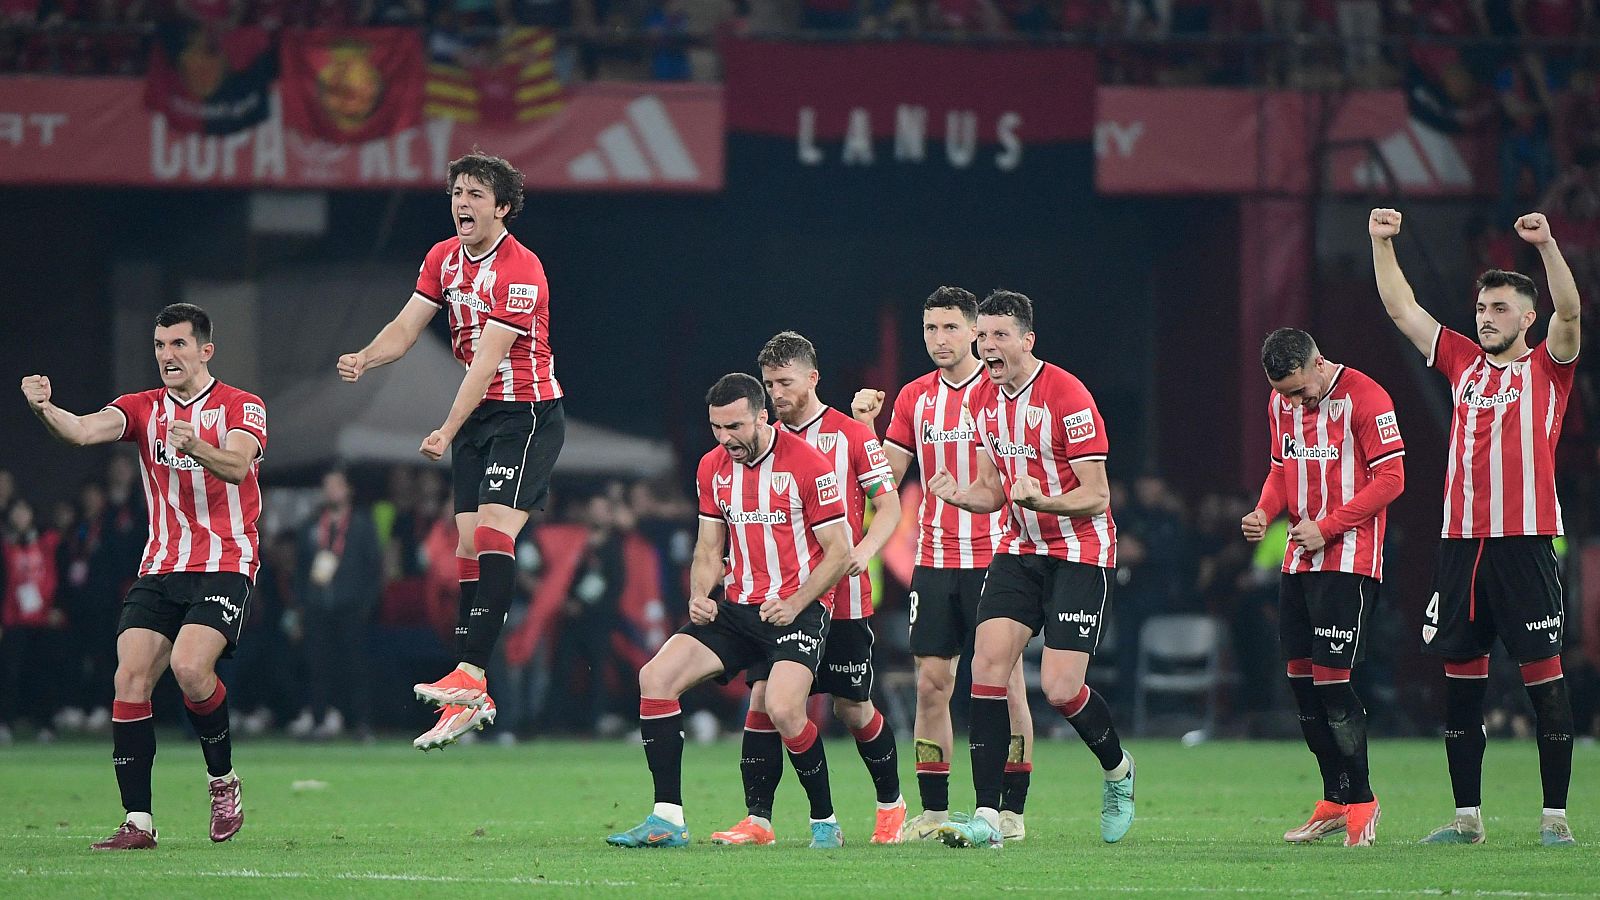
(488, 821)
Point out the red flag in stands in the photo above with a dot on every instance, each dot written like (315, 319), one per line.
(352, 85)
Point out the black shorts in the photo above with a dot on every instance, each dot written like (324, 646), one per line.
(1068, 601)
(744, 643)
(1508, 587)
(166, 603)
(944, 610)
(846, 670)
(505, 453)
(1323, 616)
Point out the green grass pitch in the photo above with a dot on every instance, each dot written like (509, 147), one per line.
(486, 820)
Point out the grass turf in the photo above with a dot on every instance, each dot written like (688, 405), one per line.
(487, 820)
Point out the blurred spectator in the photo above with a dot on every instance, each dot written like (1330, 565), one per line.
(666, 519)
(268, 671)
(8, 490)
(1521, 89)
(125, 518)
(88, 593)
(31, 626)
(591, 617)
(667, 23)
(392, 12)
(340, 579)
(218, 14)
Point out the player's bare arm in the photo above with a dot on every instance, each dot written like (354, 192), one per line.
(231, 463)
(706, 570)
(393, 342)
(984, 495)
(835, 540)
(885, 519)
(1398, 299)
(865, 406)
(1091, 497)
(101, 427)
(493, 346)
(1565, 331)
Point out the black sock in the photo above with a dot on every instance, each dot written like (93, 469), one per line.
(497, 572)
(1552, 709)
(210, 720)
(1464, 739)
(933, 775)
(811, 764)
(1319, 739)
(878, 752)
(1347, 720)
(760, 764)
(989, 741)
(133, 752)
(1092, 720)
(661, 728)
(469, 599)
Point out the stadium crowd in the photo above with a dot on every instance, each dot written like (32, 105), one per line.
(357, 593)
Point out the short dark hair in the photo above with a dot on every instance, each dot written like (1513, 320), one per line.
(1286, 351)
(787, 347)
(186, 312)
(947, 297)
(1521, 283)
(499, 176)
(1001, 302)
(738, 386)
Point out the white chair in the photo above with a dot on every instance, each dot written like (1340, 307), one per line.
(1179, 654)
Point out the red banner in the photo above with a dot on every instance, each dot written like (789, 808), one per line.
(606, 137)
(836, 99)
(1222, 141)
(210, 83)
(352, 85)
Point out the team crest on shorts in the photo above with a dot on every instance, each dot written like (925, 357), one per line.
(1035, 416)
(825, 442)
(780, 482)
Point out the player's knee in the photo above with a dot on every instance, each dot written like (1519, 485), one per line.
(853, 713)
(789, 718)
(132, 685)
(195, 676)
(1062, 689)
(935, 681)
(991, 670)
(465, 548)
(655, 681)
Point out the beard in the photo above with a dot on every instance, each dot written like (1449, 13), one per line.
(1501, 342)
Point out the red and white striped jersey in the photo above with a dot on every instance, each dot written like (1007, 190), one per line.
(1325, 456)
(1501, 477)
(773, 507)
(198, 522)
(1041, 430)
(505, 287)
(863, 472)
(932, 423)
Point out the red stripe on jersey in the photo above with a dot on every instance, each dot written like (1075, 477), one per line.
(933, 423)
(1501, 475)
(198, 522)
(1040, 431)
(772, 507)
(504, 288)
(1324, 457)
(859, 464)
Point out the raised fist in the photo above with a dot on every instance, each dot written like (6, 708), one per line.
(351, 365)
(866, 405)
(36, 388)
(1534, 229)
(1384, 223)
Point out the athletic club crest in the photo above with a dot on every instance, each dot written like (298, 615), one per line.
(1035, 416)
(208, 418)
(1336, 410)
(825, 442)
(780, 482)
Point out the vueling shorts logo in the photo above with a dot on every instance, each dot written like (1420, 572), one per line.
(1084, 620)
(1335, 634)
(503, 472)
(855, 670)
(1551, 622)
(231, 611)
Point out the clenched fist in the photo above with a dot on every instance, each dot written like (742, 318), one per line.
(1306, 533)
(1534, 229)
(1026, 492)
(702, 610)
(182, 435)
(36, 388)
(866, 405)
(434, 445)
(1384, 223)
(1254, 525)
(943, 486)
(351, 365)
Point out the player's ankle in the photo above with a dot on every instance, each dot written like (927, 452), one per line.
(470, 669)
(672, 812)
(988, 815)
(143, 821)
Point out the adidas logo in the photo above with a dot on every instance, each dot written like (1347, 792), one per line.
(1418, 157)
(619, 156)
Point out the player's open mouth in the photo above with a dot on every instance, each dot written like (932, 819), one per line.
(464, 223)
(171, 370)
(996, 364)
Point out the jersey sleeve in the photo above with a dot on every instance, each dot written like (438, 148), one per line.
(429, 281)
(1377, 429)
(820, 495)
(516, 296)
(1453, 352)
(248, 414)
(705, 496)
(868, 462)
(902, 431)
(1560, 373)
(133, 409)
(1274, 438)
(1083, 432)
